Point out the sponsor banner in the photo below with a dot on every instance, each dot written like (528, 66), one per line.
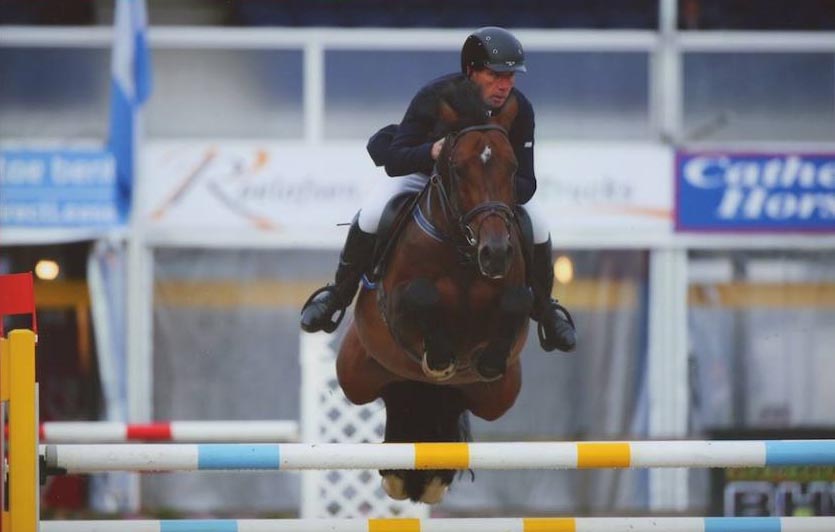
(723, 191)
(297, 188)
(287, 188)
(613, 188)
(70, 188)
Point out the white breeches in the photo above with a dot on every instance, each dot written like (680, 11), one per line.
(372, 208)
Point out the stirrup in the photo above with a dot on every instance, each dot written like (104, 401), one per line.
(332, 324)
(540, 329)
(564, 310)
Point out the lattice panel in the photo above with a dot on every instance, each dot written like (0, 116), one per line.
(328, 417)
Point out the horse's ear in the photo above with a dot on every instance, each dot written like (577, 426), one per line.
(507, 114)
(447, 115)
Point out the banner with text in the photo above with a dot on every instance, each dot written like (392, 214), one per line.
(300, 189)
(606, 188)
(279, 188)
(69, 188)
(775, 192)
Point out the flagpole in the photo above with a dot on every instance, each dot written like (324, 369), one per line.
(138, 329)
(131, 72)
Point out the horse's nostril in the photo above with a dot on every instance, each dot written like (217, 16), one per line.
(484, 254)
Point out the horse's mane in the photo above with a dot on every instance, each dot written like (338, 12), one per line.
(464, 98)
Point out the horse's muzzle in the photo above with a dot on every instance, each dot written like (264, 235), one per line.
(494, 258)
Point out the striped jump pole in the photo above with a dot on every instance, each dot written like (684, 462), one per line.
(558, 524)
(511, 455)
(169, 431)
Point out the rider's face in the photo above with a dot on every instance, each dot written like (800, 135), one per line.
(495, 86)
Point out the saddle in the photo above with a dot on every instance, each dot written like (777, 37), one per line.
(526, 231)
(392, 222)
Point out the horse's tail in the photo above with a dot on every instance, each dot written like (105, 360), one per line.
(465, 434)
(464, 430)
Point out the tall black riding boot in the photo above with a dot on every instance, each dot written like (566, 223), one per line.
(318, 311)
(556, 328)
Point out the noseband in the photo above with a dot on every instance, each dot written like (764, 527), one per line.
(465, 237)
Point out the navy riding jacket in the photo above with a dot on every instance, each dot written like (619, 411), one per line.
(410, 150)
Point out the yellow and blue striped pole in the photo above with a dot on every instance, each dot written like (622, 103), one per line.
(506, 455)
(546, 524)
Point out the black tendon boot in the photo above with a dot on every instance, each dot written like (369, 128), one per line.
(318, 311)
(556, 328)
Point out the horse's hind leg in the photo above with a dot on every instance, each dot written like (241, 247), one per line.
(419, 305)
(421, 412)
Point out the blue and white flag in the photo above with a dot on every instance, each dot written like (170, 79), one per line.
(130, 88)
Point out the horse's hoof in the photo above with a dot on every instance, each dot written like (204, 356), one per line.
(434, 492)
(437, 374)
(489, 375)
(394, 487)
(490, 370)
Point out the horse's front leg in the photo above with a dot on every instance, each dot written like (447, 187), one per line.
(491, 362)
(419, 308)
(360, 376)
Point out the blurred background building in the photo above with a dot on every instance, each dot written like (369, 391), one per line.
(683, 333)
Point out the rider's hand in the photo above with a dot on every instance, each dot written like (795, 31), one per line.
(436, 148)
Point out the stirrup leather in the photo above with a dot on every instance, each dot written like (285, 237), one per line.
(332, 324)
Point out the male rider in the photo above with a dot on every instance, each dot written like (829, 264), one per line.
(490, 58)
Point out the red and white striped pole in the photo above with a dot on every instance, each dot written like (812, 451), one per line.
(169, 431)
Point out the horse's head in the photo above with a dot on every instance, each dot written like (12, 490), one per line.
(477, 169)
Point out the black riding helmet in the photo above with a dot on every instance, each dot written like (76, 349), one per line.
(493, 48)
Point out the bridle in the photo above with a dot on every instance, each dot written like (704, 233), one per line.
(465, 237)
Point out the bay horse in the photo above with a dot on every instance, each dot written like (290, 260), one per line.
(441, 333)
